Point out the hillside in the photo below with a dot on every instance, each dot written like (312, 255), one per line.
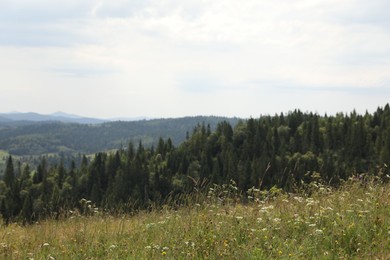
(351, 222)
(37, 138)
(283, 151)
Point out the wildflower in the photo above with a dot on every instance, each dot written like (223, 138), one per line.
(312, 225)
(310, 202)
(319, 232)
(163, 253)
(148, 247)
(189, 243)
(239, 217)
(265, 209)
(150, 225)
(299, 199)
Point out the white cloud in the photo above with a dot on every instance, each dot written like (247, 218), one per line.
(152, 57)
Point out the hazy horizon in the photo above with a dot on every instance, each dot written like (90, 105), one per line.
(140, 117)
(164, 59)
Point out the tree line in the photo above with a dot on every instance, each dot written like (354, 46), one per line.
(285, 150)
(49, 137)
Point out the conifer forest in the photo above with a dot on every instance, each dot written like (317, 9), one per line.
(285, 151)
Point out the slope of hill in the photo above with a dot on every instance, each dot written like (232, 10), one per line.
(348, 223)
(58, 137)
(16, 118)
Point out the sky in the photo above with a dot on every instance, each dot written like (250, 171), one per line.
(173, 58)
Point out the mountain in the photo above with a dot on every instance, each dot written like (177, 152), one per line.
(62, 114)
(17, 118)
(54, 136)
(4, 119)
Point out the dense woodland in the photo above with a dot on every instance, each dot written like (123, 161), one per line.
(285, 151)
(52, 137)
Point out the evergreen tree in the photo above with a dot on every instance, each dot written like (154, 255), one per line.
(9, 175)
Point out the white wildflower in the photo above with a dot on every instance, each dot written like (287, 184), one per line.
(299, 199)
(150, 225)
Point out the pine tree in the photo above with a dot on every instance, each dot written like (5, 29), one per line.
(9, 175)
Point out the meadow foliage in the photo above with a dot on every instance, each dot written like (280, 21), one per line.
(352, 221)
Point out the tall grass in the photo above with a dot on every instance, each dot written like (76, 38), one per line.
(352, 221)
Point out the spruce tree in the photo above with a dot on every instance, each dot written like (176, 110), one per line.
(9, 175)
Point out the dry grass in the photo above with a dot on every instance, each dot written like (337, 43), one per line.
(351, 222)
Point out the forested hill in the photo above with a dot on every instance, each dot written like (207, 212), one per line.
(286, 151)
(37, 138)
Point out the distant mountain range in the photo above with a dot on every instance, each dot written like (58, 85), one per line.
(27, 134)
(16, 117)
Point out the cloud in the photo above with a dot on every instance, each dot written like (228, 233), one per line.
(43, 23)
(360, 12)
(259, 55)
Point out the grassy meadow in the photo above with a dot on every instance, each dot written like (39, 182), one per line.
(350, 222)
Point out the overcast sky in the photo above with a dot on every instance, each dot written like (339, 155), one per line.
(171, 58)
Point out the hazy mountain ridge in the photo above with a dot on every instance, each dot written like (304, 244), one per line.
(17, 118)
(42, 137)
